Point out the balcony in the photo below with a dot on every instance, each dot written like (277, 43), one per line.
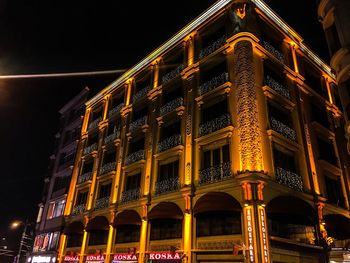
(168, 185)
(169, 142)
(135, 125)
(171, 106)
(276, 86)
(106, 168)
(78, 209)
(283, 129)
(94, 123)
(90, 148)
(274, 51)
(102, 202)
(212, 47)
(85, 177)
(213, 83)
(111, 137)
(131, 195)
(135, 156)
(215, 124)
(215, 173)
(115, 110)
(289, 179)
(140, 94)
(172, 74)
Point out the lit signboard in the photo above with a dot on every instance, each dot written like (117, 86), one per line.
(164, 256)
(95, 258)
(264, 243)
(71, 259)
(130, 258)
(250, 234)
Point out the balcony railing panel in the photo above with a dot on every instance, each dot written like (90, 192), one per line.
(166, 186)
(289, 178)
(276, 86)
(138, 123)
(111, 137)
(215, 173)
(140, 94)
(115, 110)
(171, 106)
(283, 129)
(212, 47)
(102, 202)
(135, 156)
(172, 74)
(95, 123)
(131, 195)
(78, 209)
(106, 168)
(169, 142)
(90, 148)
(84, 177)
(274, 51)
(213, 83)
(215, 124)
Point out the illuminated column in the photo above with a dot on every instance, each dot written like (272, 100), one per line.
(61, 247)
(83, 247)
(143, 234)
(190, 48)
(105, 107)
(155, 67)
(293, 48)
(128, 91)
(187, 234)
(247, 114)
(86, 120)
(110, 241)
(91, 196)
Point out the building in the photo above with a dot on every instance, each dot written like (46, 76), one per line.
(335, 18)
(50, 217)
(225, 144)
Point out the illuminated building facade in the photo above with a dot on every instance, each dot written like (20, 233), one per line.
(50, 219)
(224, 144)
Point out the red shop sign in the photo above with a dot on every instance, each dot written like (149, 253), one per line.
(124, 257)
(95, 258)
(164, 256)
(71, 258)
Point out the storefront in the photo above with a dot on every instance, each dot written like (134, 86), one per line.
(164, 257)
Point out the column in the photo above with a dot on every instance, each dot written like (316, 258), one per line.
(61, 247)
(110, 243)
(143, 234)
(83, 247)
(188, 227)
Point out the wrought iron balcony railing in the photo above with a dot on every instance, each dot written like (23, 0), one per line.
(111, 137)
(168, 185)
(106, 168)
(84, 177)
(169, 142)
(289, 178)
(78, 209)
(140, 94)
(215, 124)
(213, 83)
(135, 156)
(131, 195)
(215, 173)
(90, 148)
(137, 124)
(274, 51)
(212, 47)
(102, 202)
(171, 106)
(94, 123)
(276, 86)
(172, 74)
(283, 129)
(115, 110)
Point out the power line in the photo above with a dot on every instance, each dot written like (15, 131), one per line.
(68, 74)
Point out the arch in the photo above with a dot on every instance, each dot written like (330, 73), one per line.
(337, 226)
(74, 228)
(216, 201)
(97, 223)
(165, 210)
(127, 217)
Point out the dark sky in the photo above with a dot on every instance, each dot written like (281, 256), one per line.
(41, 36)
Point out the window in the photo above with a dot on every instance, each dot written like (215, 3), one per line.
(105, 190)
(280, 114)
(319, 115)
(169, 130)
(82, 198)
(326, 151)
(284, 160)
(56, 209)
(128, 233)
(166, 229)
(137, 145)
(87, 167)
(133, 182)
(61, 183)
(168, 171)
(334, 191)
(109, 157)
(74, 240)
(98, 237)
(216, 157)
(54, 240)
(218, 223)
(214, 111)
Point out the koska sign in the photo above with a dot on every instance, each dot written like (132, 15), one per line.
(71, 258)
(164, 256)
(95, 258)
(124, 257)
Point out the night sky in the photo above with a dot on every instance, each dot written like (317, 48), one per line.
(41, 36)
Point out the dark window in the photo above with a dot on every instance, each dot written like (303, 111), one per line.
(82, 198)
(208, 74)
(109, 157)
(214, 111)
(87, 167)
(139, 113)
(213, 35)
(284, 160)
(172, 94)
(326, 151)
(60, 183)
(93, 139)
(98, 237)
(280, 114)
(216, 156)
(116, 101)
(170, 130)
(334, 191)
(313, 80)
(166, 229)
(74, 240)
(218, 223)
(168, 171)
(137, 145)
(274, 73)
(105, 190)
(133, 182)
(319, 114)
(128, 233)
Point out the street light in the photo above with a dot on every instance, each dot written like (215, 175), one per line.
(24, 237)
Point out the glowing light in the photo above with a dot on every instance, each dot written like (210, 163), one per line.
(15, 224)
